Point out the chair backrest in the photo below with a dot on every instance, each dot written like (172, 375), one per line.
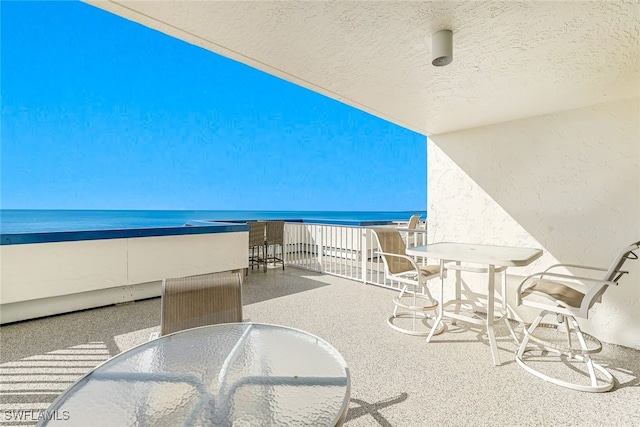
(275, 232)
(256, 233)
(413, 221)
(615, 272)
(390, 241)
(208, 299)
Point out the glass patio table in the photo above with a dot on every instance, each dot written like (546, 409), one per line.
(228, 374)
(491, 259)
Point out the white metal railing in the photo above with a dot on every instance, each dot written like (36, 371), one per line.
(339, 250)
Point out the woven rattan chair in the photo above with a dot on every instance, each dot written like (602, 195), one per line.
(257, 245)
(275, 239)
(566, 297)
(208, 299)
(414, 301)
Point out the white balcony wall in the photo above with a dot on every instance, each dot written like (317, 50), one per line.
(41, 279)
(568, 183)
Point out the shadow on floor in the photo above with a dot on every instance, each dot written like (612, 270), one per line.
(259, 286)
(373, 409)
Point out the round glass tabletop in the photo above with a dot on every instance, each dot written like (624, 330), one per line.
(228, 374)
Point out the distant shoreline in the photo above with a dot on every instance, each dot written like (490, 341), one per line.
(50, 220)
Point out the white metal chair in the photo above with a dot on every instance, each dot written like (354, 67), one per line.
(413, 224)
(415, 300)
(568, 300)
(413, 221)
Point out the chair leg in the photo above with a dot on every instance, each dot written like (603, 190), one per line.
(274, 255)
(395, 308)
(526, 333)
(567, 329)
(595, 385)
(586, 358)
(410, 309)
(440, 314)
(282, 255)
(415, 304)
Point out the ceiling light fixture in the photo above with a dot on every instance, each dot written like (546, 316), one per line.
(442, 48)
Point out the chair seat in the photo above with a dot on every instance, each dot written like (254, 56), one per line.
(429, 270)
(558, 291)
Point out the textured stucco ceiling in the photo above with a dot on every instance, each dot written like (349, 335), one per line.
(511, 59)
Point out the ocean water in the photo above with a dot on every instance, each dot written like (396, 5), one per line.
(33, 221)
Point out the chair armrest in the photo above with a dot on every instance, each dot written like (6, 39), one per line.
(546, 274)
(579, 278)
(413, 263)
(411, 230)
(584, 267)
(521, 285)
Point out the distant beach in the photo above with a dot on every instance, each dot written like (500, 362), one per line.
(34, 221)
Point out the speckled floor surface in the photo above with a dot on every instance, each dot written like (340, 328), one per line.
(397, 379)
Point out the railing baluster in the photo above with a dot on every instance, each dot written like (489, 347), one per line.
(339, 250)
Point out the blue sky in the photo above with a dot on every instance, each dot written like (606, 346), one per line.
(102, 113)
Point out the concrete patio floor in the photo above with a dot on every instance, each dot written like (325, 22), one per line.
(397, 379)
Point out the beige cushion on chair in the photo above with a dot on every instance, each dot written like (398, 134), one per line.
(558, 291)
(428, 270)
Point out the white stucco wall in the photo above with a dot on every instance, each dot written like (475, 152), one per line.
(568, 183)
